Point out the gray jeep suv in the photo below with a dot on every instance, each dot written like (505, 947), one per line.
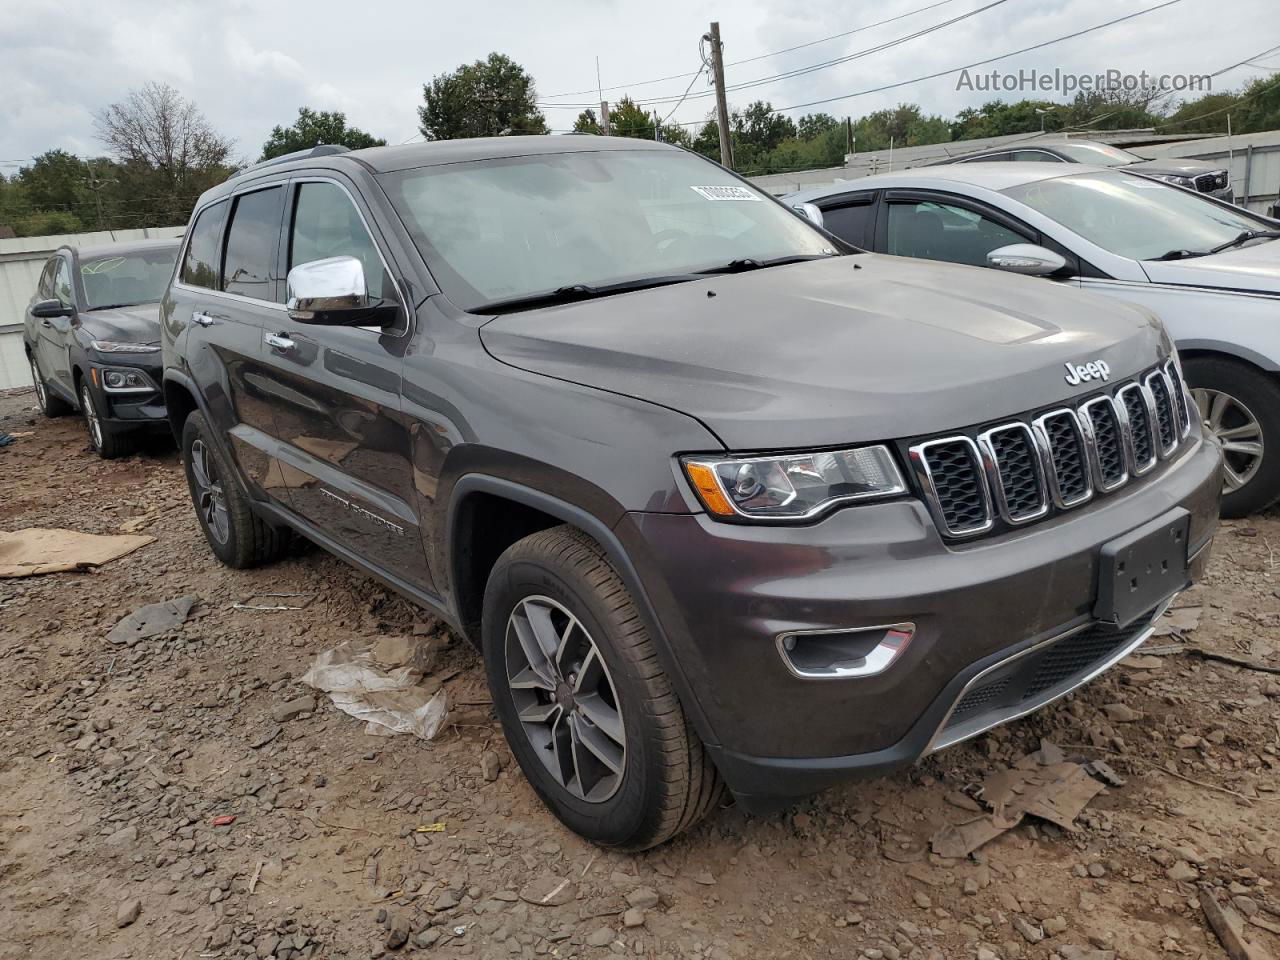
(723, 502)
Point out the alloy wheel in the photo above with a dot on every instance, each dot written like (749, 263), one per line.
(41, 395)
(211, 502)
(565, 698)
(1234, 426)
(91, 417)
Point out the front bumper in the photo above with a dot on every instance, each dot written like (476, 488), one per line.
(724, 593)
(133, 408)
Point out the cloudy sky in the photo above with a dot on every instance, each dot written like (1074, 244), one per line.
(250, 65)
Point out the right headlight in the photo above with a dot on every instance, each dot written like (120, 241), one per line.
(793, 486)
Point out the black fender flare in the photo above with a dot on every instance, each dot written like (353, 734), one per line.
(614, 550)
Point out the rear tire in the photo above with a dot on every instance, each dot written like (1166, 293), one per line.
(667, 781)
(107, 443)
(237, 536)
(50, 405)
(1244, 413)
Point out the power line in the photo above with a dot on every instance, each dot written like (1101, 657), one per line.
(1231, 106)
(762, 56)
(979, 63)
(810, 68)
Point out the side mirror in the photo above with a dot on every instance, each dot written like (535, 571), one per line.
(810, 212)
(332, 292)
(1026, 258)
(48, 309)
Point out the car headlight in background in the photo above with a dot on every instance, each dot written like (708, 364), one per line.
(795, 486)
(1176, 180)
(123, 380)
(116, 346)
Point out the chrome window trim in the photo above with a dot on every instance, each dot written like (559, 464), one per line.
(1136, 468)
(1040, 427)
(991, 464)
(942, 740)
(1164, 452)
(877, 661)
(1091, 443)
(924, 476)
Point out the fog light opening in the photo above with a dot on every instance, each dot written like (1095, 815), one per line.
(843, 654)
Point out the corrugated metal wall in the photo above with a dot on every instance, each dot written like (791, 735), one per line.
(21, 261)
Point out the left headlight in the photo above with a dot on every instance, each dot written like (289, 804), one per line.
(794, 486)
(116, 346)
(1176, 180)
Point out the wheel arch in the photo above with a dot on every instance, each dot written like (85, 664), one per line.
(1231, 351)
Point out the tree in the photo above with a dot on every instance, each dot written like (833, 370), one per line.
(55, 180)
(628, 120)
(813, 125)
(488, 98)
(998, 119)
(168, 152)
(1190, 115)
(1259, 107)
(762, 129)
(587, 122)
(312, 129)
(903, 126)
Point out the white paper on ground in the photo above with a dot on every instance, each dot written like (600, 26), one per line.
(381, 683)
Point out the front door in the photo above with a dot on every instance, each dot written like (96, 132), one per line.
(338, 420)
(55, 333)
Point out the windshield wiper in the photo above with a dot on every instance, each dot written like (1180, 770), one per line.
(753, 263)
(1244, 237)
(573, 292)
(1181, 254)
(111, 306)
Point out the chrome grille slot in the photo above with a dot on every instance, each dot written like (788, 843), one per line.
(1180, 401)
(1166, 422)
(1137, 410)
(950, 471)
(1067, 459)
(1015, 472)
(1099, 417)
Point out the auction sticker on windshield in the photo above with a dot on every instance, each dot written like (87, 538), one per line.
(725, 193)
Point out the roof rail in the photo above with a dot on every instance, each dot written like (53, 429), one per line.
(323, 150)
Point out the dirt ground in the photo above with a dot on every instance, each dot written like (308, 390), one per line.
(117, 759)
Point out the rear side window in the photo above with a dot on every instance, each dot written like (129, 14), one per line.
(851, 220)
(200, 263)
(252, 238)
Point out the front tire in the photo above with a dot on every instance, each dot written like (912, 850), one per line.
(586, 707)
(237, 536)
(106, 442)
(1240, 406)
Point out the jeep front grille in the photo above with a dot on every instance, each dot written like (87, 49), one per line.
(1021, 470)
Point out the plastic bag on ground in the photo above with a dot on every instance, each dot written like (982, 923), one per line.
(382, 683)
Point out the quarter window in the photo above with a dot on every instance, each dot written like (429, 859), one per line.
(327, 224)
(200, 262)
(850, 220)
(45, 287)
(940, 231)
(252, 238)
(62, 283)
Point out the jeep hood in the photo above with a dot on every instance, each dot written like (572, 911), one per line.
(845, 350)
(1178, 166)
(137, 324)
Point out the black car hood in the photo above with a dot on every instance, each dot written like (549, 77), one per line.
(1176, 166)
(836, 351)
(138, 324)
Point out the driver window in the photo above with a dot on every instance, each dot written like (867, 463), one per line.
(327, 224)
(940, 231)
(62, 283)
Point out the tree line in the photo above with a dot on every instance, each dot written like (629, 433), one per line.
(160, 152)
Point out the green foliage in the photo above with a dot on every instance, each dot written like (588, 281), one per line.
(312, 129)
(903, 126)
(814, 125)
(1259, 106)
(488, 98)
(998, 119)
(55, 179)
(587, 122)
(628, 120)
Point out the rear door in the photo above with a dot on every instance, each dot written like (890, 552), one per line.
(227, 288)
(338, 416)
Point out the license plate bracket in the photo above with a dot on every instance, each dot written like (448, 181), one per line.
(1142, 568)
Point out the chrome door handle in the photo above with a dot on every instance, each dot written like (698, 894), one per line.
(278, 341)
(203, 319)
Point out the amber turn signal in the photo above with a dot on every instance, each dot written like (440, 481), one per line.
(708, 487)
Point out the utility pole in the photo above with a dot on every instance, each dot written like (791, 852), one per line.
(848, 135)
(722, 106)
(657, 126)
(95, 185)
(604, 117)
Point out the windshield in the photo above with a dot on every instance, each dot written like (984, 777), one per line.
(127, 279)
(1098, 154)
(496, 230)
(1133, 216)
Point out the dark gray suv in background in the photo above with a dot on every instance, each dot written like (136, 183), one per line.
(722, 501)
